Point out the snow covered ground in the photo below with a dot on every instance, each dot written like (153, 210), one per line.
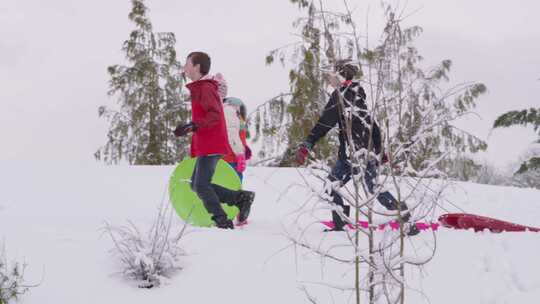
(50, 217)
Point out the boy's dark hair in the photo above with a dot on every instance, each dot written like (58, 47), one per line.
(202, 59)
(346, 69)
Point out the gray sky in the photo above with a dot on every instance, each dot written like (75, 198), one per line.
(54, 54)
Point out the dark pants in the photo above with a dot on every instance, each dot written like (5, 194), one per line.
(211, 194)
(343, 172)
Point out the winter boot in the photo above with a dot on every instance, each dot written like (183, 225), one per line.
(334, 229)
(405, 217)
(411, 229)
(223, 223)
(339, 224)
(245, 199)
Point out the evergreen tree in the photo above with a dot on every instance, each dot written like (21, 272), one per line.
(414, 113)
(149, 99)
(307, 94)
(306, 87)
(524, 117)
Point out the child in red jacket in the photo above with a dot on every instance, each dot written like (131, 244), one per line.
(209, 142)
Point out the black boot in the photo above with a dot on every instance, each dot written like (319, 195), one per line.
(405, 217)
(339, 224)
(223, 223)
(245, 199)
(412, 229)
(404, 210)
(333, 229)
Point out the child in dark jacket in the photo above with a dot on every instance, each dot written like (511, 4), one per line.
(349, 97)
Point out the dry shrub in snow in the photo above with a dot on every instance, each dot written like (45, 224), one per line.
(148, 258)
(11, 279)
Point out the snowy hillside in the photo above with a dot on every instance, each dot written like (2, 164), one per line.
(51, 217)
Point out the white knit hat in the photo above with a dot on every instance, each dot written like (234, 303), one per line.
(222, 85)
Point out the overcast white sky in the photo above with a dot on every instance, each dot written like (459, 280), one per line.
(54, 54)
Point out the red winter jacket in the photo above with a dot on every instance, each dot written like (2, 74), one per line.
(207, 113)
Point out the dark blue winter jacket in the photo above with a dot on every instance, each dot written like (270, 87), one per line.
(353, 105)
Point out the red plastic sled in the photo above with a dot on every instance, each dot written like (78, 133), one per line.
(479, 223)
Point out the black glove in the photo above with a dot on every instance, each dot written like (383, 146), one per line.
(183, 130)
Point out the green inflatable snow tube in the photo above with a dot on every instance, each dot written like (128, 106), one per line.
(186, 202)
